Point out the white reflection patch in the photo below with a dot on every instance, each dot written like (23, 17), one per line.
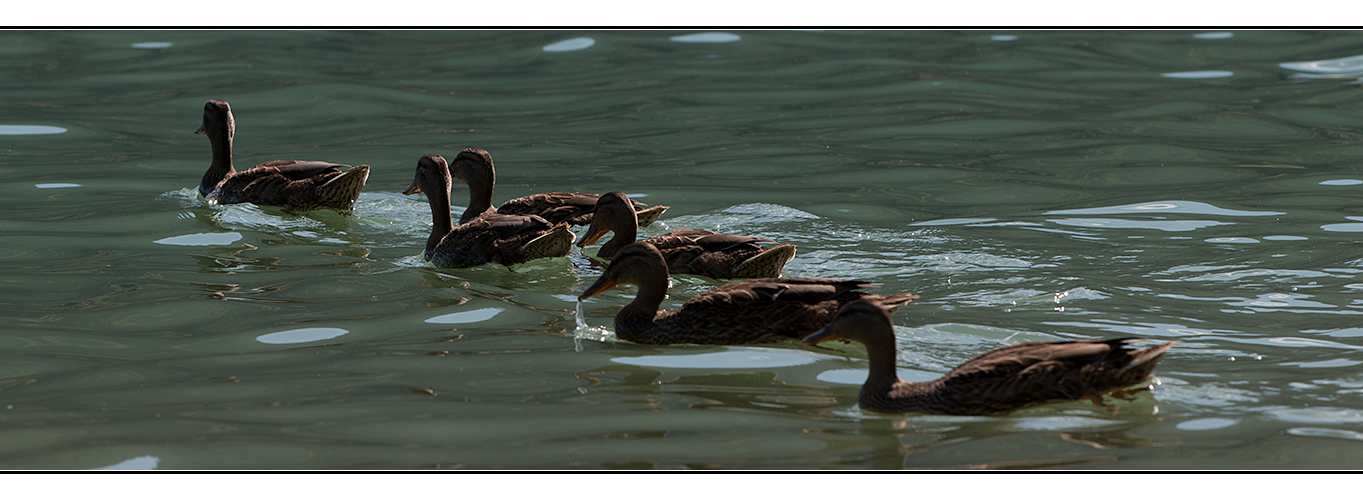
(145, 462)
(1317, 415)
(708, 37)
(1351, 64)
(1198, 75)
(1285, 238)
(734, 357)
(1355, 227)
(56, 185)
(301, 335)
(570, 45)
(30, 130)
(1329, 363)
(951, 222)
(1062, 422)
(1161, 225)
(1206, 424)
(1215, 35)
(1341, 182)
(1328, 433)
(1164, 207)
(856, 376)
(200, 239)
(473, 316)
(152, 45)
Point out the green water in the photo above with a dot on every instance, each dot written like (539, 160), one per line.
(1056, 185)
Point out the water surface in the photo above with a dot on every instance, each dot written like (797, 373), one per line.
(1192, 186)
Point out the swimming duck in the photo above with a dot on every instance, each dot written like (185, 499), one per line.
(741, 312)
(687, 251)
(474, 167)
(495, 238)
(290, 184)
(998, 381)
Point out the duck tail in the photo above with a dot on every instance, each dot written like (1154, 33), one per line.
(346, 187)
(648, 215)
(767, 264)
(894, 302)
(1144, 360)
(555, 243)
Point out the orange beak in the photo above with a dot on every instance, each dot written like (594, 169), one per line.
(593, 235)
(823, 335)
(412, 189)
(602, 284)
(200, 131)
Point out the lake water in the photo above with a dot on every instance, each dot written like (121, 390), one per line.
(1195, 186)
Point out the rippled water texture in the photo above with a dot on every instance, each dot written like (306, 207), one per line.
(1194, 186)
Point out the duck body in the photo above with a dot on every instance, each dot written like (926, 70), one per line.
(742, 312)
(688, 251)
(290, 184)
(490, 238)
(998, 381)
(474, 167)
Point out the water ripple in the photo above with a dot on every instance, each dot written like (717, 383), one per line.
(1164, 207)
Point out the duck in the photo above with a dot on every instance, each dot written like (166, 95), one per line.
(295, 186)
(687, 251)
(474, 167)
(741, 312)
(998, 381)
(489, 238)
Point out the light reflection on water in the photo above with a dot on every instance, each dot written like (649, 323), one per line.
(1048, 189)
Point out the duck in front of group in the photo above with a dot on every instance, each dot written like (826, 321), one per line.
(289, 184)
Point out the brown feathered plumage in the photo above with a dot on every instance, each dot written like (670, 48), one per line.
(687, 251)
(474, 167)
(742, 312)
(998, 381)
(290, 184)
(494, 238)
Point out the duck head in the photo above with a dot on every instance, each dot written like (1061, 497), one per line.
(614, 212)
(218, 121)
(431, 176)
(861, 320)
(638, 264)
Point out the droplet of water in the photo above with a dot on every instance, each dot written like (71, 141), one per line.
(581, 322)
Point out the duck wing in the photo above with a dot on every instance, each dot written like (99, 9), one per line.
(754, 311)
(1035, 372)
(574, 208)
(708, 253)
(493, 238)
(297, 170)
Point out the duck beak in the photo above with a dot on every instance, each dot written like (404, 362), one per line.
(412, 189)
(823, 335)
(602, 284)
(593, 235)
(201, 131)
